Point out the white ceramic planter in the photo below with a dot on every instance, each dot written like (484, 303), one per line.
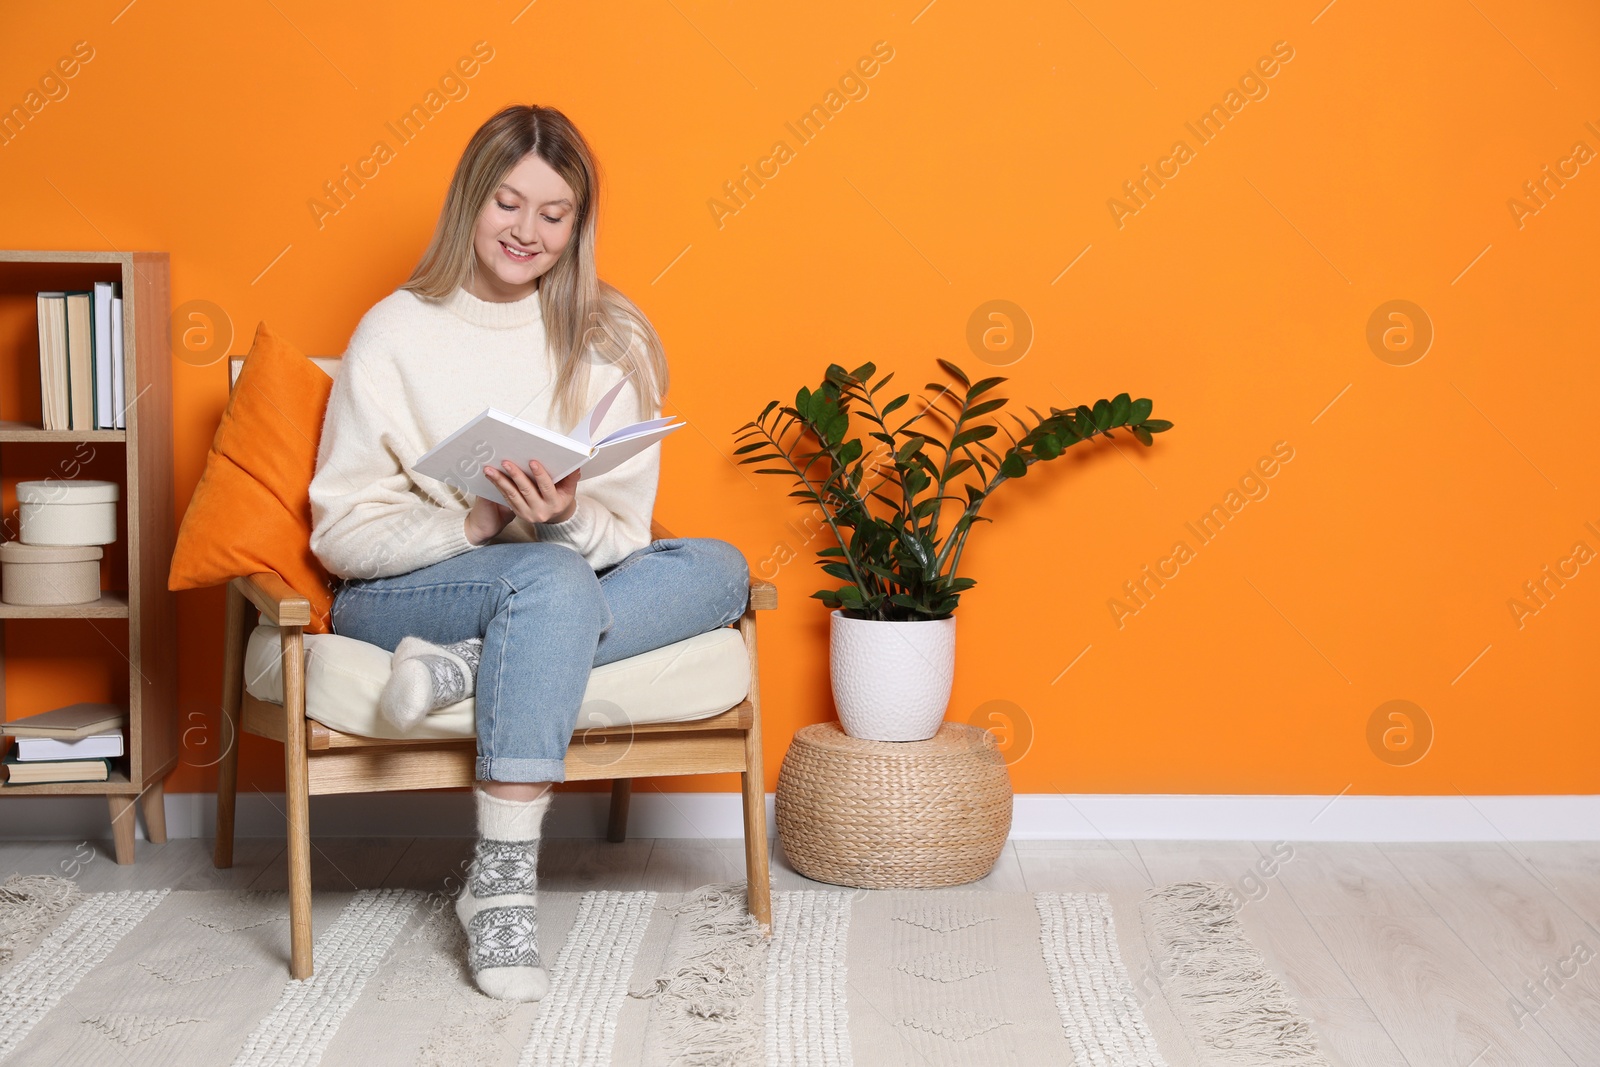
(891, 680)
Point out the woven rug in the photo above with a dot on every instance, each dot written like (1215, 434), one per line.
(663, 980)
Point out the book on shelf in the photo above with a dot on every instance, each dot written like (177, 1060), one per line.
(93, 746)
(80, 358)
(104, 417)
(73, 721)
(53, 361)
(19, 772)
(119, 413)
(493, 436)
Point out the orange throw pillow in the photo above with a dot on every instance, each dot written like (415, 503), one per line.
(251, 511)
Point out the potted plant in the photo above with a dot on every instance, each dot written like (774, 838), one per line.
(892, 624)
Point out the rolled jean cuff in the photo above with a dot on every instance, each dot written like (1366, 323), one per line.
(519, 769)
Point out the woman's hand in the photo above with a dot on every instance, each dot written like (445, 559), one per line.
(485, 519)
(533, 495)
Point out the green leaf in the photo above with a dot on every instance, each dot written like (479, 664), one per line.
(917, 547)
(906, 450)
(839, 570)
(850, 596)
(1157, 425)
(895, 404)
(1120, 406)
(893, 505)
(882, 572)
(983, 386)
(1066, 431)
(959, 374)
(1014, 466)
(987, 406)
(831, 550)
(1047, 447)
(1140, 410)
(883, 382)
(1142, 433)
(1101, 415)
(976, 433)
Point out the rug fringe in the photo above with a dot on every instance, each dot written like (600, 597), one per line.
(1221, 989)
(28, 902)
(709, 1003)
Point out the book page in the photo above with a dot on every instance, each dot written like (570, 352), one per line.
(624, 445)
(589, 425)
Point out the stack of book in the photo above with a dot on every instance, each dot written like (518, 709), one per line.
(71, 744)
(80, 359)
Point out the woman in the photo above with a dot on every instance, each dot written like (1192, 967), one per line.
(512, 604)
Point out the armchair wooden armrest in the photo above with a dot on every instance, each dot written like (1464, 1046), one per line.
(279, 604)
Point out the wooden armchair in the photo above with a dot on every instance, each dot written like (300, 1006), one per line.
(319, 760)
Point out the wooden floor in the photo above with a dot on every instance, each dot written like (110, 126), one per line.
(1421, 955)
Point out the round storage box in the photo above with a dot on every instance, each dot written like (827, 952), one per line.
(48, 574)
(68, 512)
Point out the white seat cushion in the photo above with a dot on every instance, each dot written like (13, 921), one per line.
(691, 679)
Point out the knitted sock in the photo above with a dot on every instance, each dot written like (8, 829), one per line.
(424, 676)
(497, 905)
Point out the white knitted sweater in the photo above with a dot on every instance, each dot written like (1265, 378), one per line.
(415, 371)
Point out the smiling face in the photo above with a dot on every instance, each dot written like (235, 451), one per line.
(521, 231)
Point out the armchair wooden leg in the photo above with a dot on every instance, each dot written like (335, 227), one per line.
(152, 805)
(758, 885)
(617, 825)
(236, 622)
(297, 794)
(122, 826)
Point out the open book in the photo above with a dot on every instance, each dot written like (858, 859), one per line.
(494, 436)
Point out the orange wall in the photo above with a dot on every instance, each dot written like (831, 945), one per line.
(980, 163)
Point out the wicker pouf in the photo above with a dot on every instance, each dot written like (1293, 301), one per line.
(893, 814)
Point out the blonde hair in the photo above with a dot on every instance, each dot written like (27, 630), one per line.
(586, 320)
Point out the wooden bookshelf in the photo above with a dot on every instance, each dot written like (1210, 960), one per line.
(113, 604)
(23, 432)
(149, 609)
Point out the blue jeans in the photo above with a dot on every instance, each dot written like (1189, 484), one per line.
(546, 618)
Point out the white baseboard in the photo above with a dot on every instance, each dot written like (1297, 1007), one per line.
(714, 816)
